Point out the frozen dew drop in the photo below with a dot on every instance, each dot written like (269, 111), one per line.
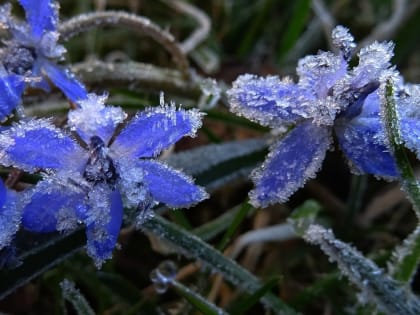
(163, 275)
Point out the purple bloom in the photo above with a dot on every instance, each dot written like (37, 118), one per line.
(10, 215)
(328, 98)
(91, 186)
(30, 56)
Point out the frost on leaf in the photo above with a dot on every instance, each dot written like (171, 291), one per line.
(290, 163)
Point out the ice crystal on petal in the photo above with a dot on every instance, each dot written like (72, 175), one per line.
(37, 144)
(93, 118)
(329, 96)
(291, 161)
(373, 60)
(32, 51)
(89, 185)
(342, 39)
(269, 101)
(10, 216)
(319, 73)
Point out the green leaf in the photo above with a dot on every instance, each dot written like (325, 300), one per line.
(196, 300)
(295, 26)
(192, 246)
(239, 217)
(44, 253)
(243, 304)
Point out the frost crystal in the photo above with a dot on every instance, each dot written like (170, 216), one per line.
(328, 97)
(89, 186)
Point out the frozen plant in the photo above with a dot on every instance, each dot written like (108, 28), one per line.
(329, 97)
(30, 56)
(91, 185)
(10, 214)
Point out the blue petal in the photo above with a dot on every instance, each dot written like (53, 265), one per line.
(65, 81)
(10, 217)
(11, 89)
(37, 144)
(51, 206)
(102, 237)
(3, 193)
(294, 159)
(320, 72)
(42, 16)
(93, 118)
(362, 140)
(268, 100)
(410, 132)
(155, 129)
(169, 186)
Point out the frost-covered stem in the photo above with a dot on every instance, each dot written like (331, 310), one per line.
(73, 295)
(387, 29)
(192, 246)
(406, 258)
(145, 75)
(204, 24)
(376, 287)
(196, 299)
(142, 25)
(408, 179)
(326, 18)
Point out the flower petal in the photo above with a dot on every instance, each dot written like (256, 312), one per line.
(11, 90)
(318, 73)
(52, 206)
(3, 194)
(294, 159)
(410, 132)
(268, 100)
(10, 216)
(93, 118)
(102, 234)
(42, 16)
(65, 81)
(37, 144)
(362, 140)
(170, 186)
(155, 129)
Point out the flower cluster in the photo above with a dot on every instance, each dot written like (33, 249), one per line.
(329, 98)
(90, 171)
(30, 56)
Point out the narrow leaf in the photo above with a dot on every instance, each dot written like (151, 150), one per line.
(73, 295)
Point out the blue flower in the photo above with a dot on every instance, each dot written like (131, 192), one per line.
(30, 56)
(10, 215)
(328, 98)
(91, 185)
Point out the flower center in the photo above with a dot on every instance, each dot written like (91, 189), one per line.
(19, 59)
(99, 168)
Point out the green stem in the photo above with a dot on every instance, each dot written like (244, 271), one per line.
(192, 246)
(408, 179)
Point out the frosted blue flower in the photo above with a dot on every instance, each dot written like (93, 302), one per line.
(10, 215)
(90, 186)
(328, 98)
(30, 56)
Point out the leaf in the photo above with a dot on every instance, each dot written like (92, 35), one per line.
(196, 300)
(73, 295)
(192, 246)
